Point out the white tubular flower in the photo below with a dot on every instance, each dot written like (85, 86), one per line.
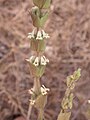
(36, 62)
(39, 36)
(32, 102)
(89, 101)
(47, 61)
(44, 90)
(43, 61)
(45, 35)
(31, 59)
(31, 91)
(31, 35)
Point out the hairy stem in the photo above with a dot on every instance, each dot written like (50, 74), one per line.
(29, 111)
(41, 116)
(37, 85)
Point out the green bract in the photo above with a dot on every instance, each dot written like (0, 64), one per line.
(37, 45)
(37, 70)
(73, 78)
(38, 18)
(42, 3)
(64, 116)
(41, 101)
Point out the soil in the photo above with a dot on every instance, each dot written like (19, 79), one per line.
(68, 49)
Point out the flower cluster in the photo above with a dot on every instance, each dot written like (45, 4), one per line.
(71, 82)
(39, 36)
(36, 61)
(32, 102)
(44, 90)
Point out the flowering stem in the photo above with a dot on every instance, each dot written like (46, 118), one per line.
(67, 101)
(37, 64)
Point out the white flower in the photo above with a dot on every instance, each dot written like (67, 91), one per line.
(31, 35)
(46, 59)
(43, 61)
(31, 59)
(45, 35)
(31, 91)
(44, 90)
(89, 101)
(32, 102)
(36, 62)
(39, 36)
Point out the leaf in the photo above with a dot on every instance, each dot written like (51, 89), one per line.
(64, 116)
(37, 70)
(41, 101)
(39, 3)
(43, 19)
(38, 18)
(37, 45)
(42, 3)
(77, 74)
(35, 13)
(40, 70)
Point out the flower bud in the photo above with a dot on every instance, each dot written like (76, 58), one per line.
(70, 104)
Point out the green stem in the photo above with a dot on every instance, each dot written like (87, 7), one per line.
(41, 116)
(37, 85)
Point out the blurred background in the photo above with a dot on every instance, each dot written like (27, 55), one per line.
(67, 49)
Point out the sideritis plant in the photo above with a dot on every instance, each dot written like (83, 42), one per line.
(38, 62)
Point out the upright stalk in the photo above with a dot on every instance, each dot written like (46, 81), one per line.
(38, 62)
(67, 101)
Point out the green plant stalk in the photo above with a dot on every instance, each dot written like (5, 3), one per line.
(36, 88)
(39, 93)
(67, 101)
(64, 116)
(37, 85)
(41, 114)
